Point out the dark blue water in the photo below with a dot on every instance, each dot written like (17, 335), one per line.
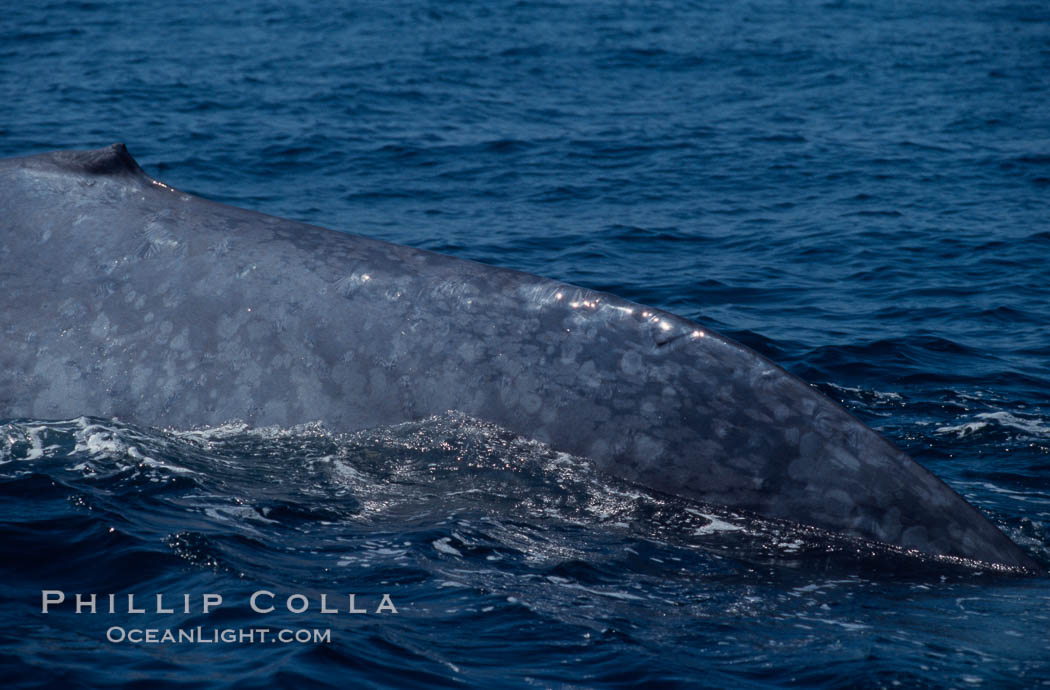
(861, 191)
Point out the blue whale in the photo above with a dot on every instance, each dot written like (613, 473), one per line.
(124, 297)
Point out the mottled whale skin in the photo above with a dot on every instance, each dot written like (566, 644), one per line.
(125, 297)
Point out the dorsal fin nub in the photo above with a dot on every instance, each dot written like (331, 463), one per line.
(110, 160)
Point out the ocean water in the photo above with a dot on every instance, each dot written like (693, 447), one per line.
(858, 190)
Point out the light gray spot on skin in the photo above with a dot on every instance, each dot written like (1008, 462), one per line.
(631, 363)
(100, 328)
(221, 246)
(227, 314)
(156, 238)
(181, 342)
(914, 537)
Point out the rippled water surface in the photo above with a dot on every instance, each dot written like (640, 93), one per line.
(860, 191)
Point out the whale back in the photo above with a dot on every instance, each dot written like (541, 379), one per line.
(128, 298)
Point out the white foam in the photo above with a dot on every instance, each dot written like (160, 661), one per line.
(213, 433)
(1034, 426)
(36, 448)
(963, 429)
(148, 461)
(100, 441)
(879, 395)
(715, 524)
(443, 546)
(237, 428)
(236, 515)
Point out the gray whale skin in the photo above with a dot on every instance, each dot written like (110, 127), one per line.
(124, 297)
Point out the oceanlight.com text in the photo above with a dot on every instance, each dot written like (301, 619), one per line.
(200, 635)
